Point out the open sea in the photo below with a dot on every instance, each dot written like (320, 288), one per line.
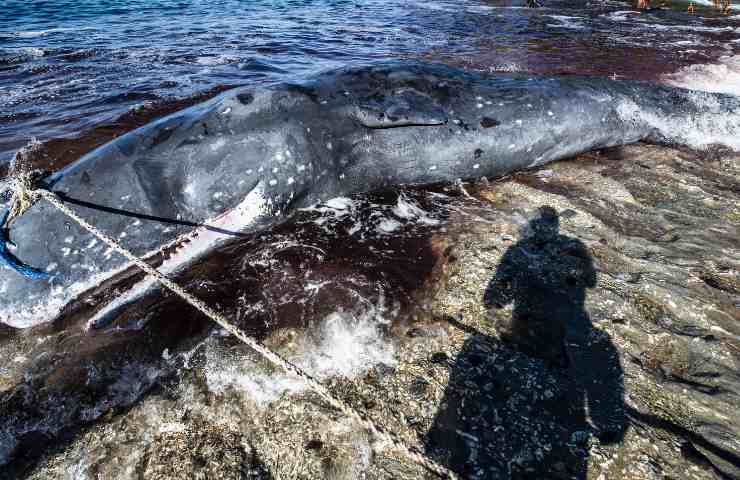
(76, 73)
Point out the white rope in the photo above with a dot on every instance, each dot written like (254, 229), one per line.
(379, 432)
(23, 195)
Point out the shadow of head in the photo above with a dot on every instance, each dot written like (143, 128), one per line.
(545, 225)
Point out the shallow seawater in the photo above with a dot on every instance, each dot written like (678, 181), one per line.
(333, 282)
(82, 72)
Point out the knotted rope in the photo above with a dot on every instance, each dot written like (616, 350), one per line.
(25, 195)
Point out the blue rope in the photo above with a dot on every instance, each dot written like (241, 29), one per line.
(11, 260)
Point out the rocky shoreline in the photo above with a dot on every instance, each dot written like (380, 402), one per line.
(643, 289)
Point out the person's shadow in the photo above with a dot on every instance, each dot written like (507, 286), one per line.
(532, 404)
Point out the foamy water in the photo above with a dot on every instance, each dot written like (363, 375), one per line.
(711, 127)
(344, 344)
(383, 219)
(722, 76)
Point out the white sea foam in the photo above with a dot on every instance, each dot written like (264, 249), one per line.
(722, 76)
(34, 51)
(384, 219)
(337, 206)
(701, 130)
(566, 21)
(506, 67)
(621, 16)
(223, 374)
(332, 210)
(345, 345)
(388, 225)
(38, 33)
(409, 210)
(688, 28)
(25, 34)
(212, 60)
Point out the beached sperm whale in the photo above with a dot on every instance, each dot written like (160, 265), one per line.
(245, 159)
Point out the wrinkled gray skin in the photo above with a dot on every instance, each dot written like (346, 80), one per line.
(346, 131)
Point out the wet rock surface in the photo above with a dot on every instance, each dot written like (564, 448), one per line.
(578, 321)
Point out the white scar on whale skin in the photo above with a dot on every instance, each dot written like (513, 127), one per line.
(205, 239)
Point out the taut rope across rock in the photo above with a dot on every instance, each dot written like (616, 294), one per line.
(25, 195)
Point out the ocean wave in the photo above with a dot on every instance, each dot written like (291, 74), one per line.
(721, 77)
(621, 15)
(565, 21)
(213, 60)
(28, 34)
(36, 33)
(11, 56)
(689, 28)
(709, 126)
(506, 68)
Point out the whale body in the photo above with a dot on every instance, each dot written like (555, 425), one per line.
(247, 158)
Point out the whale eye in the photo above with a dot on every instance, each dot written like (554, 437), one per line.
(404, 108)
(245, 98)
(488, 122)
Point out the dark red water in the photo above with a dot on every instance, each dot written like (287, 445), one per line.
(74, 73)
